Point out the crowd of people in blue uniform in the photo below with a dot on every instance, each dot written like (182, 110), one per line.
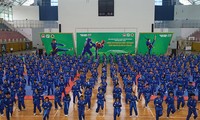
(163, 76)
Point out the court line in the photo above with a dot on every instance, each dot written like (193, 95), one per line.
(151, 112)
(55, 114)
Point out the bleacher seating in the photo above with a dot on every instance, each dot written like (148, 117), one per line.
(195, 36)
(7, 35)
(3, 27)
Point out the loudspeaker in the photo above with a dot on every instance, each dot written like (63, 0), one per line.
(174, 52)
(40, 52)
(152, 27)
(60, 29)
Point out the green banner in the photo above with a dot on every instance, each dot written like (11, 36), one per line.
(154, 43)
(106, 43)
(58, 43)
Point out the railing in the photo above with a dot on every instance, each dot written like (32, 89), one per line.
(178, 24)
(8, 25)
(15, 29)
(33, 24)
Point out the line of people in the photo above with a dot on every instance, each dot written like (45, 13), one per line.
(51, 74)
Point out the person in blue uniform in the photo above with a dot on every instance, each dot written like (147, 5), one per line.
(100, 101)
(162, 90)
(190, 89)
(88, 84)
(46, 105)
(5, 86)
(147, 94)
(55, 48)
(34, 85)
(76, 90)
(192, 103)
(41, 91)
(158, 106)
(128, 91)
(104, 85)
(50, 84)
(36, 102)
(117, 92)
(198, 89)
(23, 82)
(13, 91)
(88, 45)
(20, 95)
(62, 85)
(57, 96)
(132, 100)
(2, 96)
(8, 104)
(88, 95)
(140, 89)
(180, 97)
(66, 100)
(117, 108)
(81, 108)
(170, 104)
(170, 86)
(150, 44)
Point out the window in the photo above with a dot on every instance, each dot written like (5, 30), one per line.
(158, 2)
(28, 2)
(54, 2)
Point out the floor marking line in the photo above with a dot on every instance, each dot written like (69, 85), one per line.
(55, 114)
(151, 112)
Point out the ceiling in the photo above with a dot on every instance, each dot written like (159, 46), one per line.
(190, 2)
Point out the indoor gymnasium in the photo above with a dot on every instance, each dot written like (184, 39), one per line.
(99, 59)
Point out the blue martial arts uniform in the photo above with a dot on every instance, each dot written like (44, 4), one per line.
(149, 45)
(190, 90)
(147, 95)
(140, 89)
(133, 105)
(100, 101)
(55, 48)
(76, 90)
(50, 85)
(192, 103)
(88, 95)
(41, 92)
(66, 101)
(117, 93)
(180, 98)
(8, 103)
(117, 109)
(170, 105)
(20, 95)
(47, 107)
(88, 45)
(128, 91)
(198, 88)
(36, 102)
(1, 103)
(57, 101)
(81, 109)
(158, 107)
(162, 91)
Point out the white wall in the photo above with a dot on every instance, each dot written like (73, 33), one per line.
(179, 34)
(187, 12)
(27, 32)
(36, 37)
(138, 15)
(185, 32)
(25, 12)
(51, 30)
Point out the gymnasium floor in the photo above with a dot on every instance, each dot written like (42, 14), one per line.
(106, 114)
